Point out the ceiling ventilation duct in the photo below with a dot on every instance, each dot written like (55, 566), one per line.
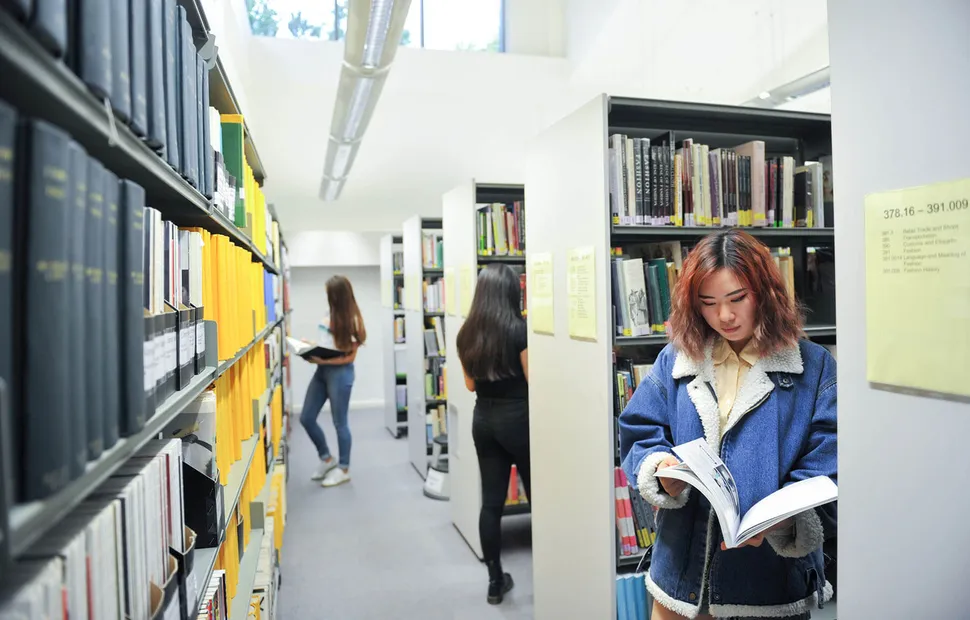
(374, 29)
(805, 85)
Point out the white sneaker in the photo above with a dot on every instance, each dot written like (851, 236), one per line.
(335, 477)
(325, 466)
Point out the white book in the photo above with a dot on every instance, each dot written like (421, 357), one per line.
(705, 471)
(634, 293)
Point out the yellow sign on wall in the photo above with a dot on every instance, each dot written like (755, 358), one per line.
(581, 290)
(451, 307)
(918, 288)
(466, 287)
(540, 291)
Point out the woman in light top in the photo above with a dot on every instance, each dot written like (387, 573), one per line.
(737, 374)
(492, 347)
(334, 379)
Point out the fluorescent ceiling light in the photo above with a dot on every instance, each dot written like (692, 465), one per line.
(331, 188)
(799, 87)
(340, 157)
(378, 25)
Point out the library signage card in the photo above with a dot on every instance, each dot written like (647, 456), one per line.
(540, 291)
(466, 287)
(918, 288)
(581, 291)
(451, 307)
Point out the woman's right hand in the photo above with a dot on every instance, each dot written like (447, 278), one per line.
(671, 486)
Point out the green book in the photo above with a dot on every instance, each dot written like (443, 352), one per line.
(233, 153)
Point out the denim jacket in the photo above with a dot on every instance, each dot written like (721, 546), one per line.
(782, 429)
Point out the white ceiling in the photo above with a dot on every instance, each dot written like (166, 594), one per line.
(448, 116)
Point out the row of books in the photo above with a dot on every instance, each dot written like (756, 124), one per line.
(432, 250)
(434, 378)
(635, 523)
(433, 291)
(434, 336)
(629, 374)
(501, 229)
(215, 602)
(516, 494)
(112, 556)
(655, 182)
(399, 330)
(436, 422)
(397, 262)
(642, 292)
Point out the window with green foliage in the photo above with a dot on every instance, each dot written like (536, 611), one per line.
(432, 24)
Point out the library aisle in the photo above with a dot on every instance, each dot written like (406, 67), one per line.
(378, 548)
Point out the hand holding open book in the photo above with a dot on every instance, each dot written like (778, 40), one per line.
(703, 469)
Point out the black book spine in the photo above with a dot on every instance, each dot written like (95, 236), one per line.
(94, 56)
(112, 328)
(131, 234)
(648, 181)
(171, 36)
(638, 180)
(155, 82)
(94, 307)
(148, 322)
(43, 227)
(655, 186)
(48, 24)
(8, 162)
(209, 164)
(188, 105)
(138, 52)
(199, 122)
(78, 425)
(120, 62)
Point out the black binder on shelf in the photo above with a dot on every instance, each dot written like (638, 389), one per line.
(199, 339)
(130, 251)
(155, 80)
(94, 342)
(202, 503)
(8, 133)
(111, 368)
(186, 347)
(148, 356)
(78, 198)
(138, 45)
(120, 64)
(48, 24)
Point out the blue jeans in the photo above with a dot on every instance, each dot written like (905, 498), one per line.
(335, 383)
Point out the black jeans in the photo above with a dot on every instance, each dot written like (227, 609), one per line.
(500, 428)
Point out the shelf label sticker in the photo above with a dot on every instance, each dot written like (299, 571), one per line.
(581, 291)
(540, 302)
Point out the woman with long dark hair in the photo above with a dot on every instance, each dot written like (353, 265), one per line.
(334, 379)
(492, 347)
(739, 374)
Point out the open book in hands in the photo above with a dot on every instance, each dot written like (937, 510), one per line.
(307, 350)
(703, 469)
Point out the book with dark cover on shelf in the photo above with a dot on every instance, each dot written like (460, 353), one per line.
(94, 48)
(138, 44)
(171, 39)
(8, 164)
(77, 422)
(94, 240)
(187, 103)
(120, 63)
(156, 135)
(48, 24)
(131, 233)
(42, 260)
(18, 8)
(112, 342)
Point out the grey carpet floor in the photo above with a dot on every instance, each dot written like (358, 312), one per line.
(377, 548)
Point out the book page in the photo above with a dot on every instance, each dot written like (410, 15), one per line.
(721, 490)
(786, 502)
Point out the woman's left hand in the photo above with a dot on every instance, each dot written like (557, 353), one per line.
(756, 540)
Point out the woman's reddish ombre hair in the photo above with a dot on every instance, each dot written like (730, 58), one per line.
(779, 320)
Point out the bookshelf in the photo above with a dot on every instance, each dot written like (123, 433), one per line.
(236, 350)
(463, 259)
(35, 81)
(395, 344)
(421, 239)
(577, 215)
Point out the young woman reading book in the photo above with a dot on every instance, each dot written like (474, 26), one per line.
(492, 347)
(334, 379)
(738, 375)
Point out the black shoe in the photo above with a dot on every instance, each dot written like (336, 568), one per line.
(497, 589)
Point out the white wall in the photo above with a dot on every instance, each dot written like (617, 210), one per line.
(308, 298)
(313, 248)
(902, 71)
(535, 27)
